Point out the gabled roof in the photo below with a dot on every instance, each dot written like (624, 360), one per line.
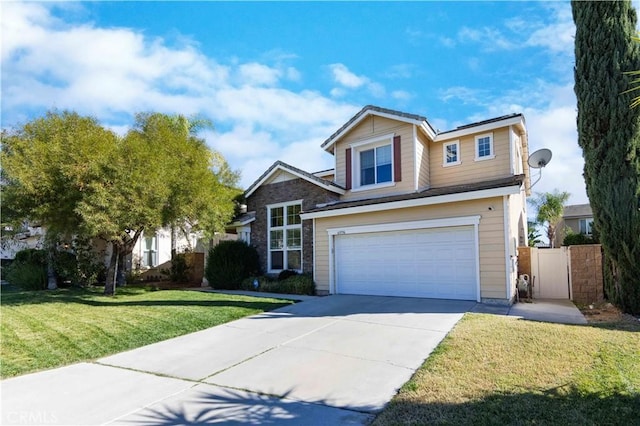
(243, 219)
(381, 112)
(577, 210)
(281, 166)
(466, 190)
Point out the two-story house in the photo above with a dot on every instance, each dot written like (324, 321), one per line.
(407, 210)
(576, 218)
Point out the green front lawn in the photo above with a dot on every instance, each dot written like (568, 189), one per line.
(47, 329)
(494, 370)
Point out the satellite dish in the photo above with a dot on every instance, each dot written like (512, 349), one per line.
(540, 158)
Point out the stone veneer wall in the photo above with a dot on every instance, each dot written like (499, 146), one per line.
(282, 192)
(587, 281)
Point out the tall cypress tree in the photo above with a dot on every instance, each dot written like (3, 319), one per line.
(609, 135)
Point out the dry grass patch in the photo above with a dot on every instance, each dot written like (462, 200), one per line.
(502, 370)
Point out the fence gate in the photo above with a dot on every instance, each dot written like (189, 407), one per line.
(552, 280)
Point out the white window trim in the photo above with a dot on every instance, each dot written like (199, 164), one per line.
(444, 153)
(156, 249)
(365, 145)
(284, 236)
(586, 220)
(491, 147)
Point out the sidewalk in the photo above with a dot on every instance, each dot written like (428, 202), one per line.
(546, 310)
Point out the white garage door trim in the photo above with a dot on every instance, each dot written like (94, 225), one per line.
(403, 226)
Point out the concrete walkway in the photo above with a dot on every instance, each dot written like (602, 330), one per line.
(545, 310)
(330, 360)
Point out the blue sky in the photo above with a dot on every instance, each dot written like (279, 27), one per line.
(277, 78)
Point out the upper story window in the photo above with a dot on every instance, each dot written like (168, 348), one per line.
(484, 147)
(585, 225)
(375, 165)
(374, 162)
(451, 153)
(285, 237)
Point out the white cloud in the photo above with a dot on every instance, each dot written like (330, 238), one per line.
(401, 95)
(112, 73)
(350, 81)
(490, 38)
(346, 78)
(258, 74)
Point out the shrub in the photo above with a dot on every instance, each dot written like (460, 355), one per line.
(179, 271)
(229, 263)
(573, 239)
(296, 284)
(29, 270)
(286, 274)
(65, 266)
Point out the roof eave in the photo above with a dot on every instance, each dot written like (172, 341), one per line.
(517, 121)
(278, 166)
(423, 124)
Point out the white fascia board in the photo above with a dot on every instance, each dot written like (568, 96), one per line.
(513, 121)
(241, 223)
(346, 130)
(406, 226)
(417, 202)
(301, 176)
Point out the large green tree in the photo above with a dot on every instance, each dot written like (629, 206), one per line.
(609, 134)
(77, 178)
(550, 206)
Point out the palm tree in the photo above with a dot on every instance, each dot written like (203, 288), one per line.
(550, 207)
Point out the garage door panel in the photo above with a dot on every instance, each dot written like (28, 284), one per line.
(436, 263)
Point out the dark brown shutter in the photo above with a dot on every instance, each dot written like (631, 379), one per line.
(397, 161)
(348, 174)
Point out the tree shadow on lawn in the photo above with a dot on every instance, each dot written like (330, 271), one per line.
(553, 407)
(84, 297)
(208, 404)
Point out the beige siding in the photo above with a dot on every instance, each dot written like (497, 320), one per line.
(369, 128)
(491, 237)
(422, 160)
(471, 170)
(280, 176)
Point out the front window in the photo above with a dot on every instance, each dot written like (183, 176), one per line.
(585, 226)
(484, 147)
(285, 237)
(375, 165)
(150, 252)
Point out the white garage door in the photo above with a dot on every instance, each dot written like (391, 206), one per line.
(436, 262)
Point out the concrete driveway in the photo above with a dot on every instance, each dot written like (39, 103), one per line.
(330, 360)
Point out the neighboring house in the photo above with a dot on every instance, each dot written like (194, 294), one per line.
(407, 210)
(29, 237)
(153, 249)
(577, 218)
